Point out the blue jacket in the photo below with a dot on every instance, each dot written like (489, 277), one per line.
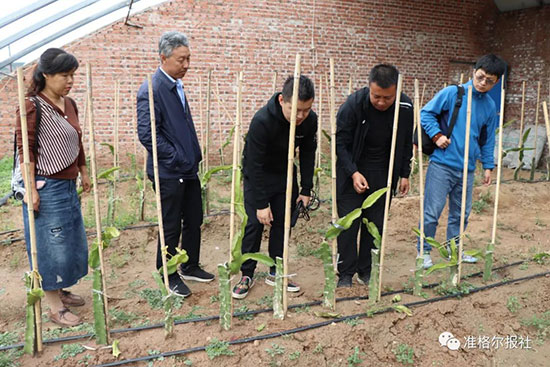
(178, 147)
(482, 127)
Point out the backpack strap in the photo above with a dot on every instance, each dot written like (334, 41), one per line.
(458, 104)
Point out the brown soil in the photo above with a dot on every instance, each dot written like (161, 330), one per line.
(523, 230)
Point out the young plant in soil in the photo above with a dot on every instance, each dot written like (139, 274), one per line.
(100, 322)
(333, 232)
(169, 297)
(237, 259)
(111, 178)
(449, 254)
(375, 259)
(33, 295)
(205, 178)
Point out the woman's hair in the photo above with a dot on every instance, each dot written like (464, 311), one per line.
(52, 61)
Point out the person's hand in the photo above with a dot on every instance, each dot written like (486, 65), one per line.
(360, 183)
(404, 186)
(264, 216)
(304, 199)
(35, 199)
(85, 181)
(487, 177)
(443, 142)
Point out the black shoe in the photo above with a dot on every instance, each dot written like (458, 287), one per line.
(344, 281)
(363, 278)
(197, 274)
(178, 287)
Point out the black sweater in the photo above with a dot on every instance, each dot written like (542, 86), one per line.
(352, 128)
(265, 154)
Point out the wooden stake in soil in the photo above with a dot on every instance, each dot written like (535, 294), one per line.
(546, 122)
(332, 109)
(93, 166)
(30, 210)
(534, 160)
(236, 155)
(390, 177)
(491, 248)
(202, 126)
(207, 142)
(420, 258)
(134, 132)
(144, 188)
(289, 178)
(464, 183)
(274, 84)
(319, 125)
(461, 78)
(113, 198)
(220, 134)
(157, 181)
(522, 116)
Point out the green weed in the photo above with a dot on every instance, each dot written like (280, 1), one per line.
(69, 350)
(541, 324)
(218, 348)
(354, 322)
(512, 304)
(294, 355)
(404, 354)
(154, 298)
(275, 350)
(122, 317)
(355, 358)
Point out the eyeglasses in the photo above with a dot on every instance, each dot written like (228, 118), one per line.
(484, 78)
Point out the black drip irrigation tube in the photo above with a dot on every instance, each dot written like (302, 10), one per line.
(324, 323)
(237, 314)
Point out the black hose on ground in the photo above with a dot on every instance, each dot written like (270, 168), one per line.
(321, 324)
(237, 314)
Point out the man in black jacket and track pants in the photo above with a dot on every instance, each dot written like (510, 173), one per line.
(265, 160)
(363, 144)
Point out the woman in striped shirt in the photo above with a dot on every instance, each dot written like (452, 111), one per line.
(57, 158)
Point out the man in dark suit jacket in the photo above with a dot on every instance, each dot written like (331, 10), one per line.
(179, 155)
(363, 144)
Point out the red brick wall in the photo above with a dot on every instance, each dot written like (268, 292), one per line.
(421, 38)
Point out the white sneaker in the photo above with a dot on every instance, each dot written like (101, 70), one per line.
(427, 261)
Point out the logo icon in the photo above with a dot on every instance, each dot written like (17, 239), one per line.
(446, 339)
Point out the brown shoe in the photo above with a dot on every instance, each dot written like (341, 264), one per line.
(60, 318)
(70, 299)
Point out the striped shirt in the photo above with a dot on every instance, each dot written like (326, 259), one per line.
(60, 150)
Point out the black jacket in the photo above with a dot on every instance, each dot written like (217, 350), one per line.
(352, 128)
(265, 154)
(178, 148)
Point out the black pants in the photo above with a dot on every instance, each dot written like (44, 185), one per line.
(181, 215)
(352, 261)
(253, 232)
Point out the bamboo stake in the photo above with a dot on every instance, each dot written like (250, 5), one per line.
(332, 107)
(115, 152)
(274, 85)
(522, 116)
(546, 122)
(134, 130)
(30, 210)
(236, 155)
(319, 127)
(289, 178)
(534, 160)
(207, 143)
(491, 249)
(93, 167)
(220, 135)
(464, 183)
(220, 104)
(202, 127)
(422, 96)
(390, 177)
(461, 77)
(420, 258)
(157, 181)
(142, 209)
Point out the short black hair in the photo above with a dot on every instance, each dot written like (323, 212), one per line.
(306, 91)
(52, 61)
(385, 75)
(491, 64)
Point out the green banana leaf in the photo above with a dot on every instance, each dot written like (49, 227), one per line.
(110, 146)
(205, 178)
(177, 259)
(373, 230)
(261, 258)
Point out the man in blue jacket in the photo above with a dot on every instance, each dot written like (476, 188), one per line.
(444, 175)
(179, 155)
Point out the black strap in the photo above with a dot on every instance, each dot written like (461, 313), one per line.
(458, 104)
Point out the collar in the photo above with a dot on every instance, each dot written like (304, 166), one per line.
(475, 92)
(175, 81)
